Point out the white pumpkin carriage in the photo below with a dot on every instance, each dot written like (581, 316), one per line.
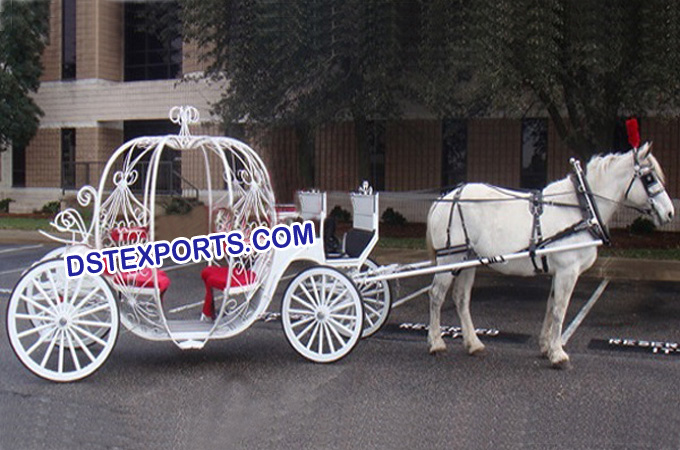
(64, 329)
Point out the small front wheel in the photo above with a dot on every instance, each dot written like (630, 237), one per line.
(322, 314)
(61, 329)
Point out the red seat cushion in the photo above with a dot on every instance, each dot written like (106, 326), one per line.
(143, 279)
(129, 234)
(215, 277)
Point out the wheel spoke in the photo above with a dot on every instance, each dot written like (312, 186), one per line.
(321, 336)
(309, 296)
(76, 291)
(342, 306)
(60, 364)
(371, 310)
(92, 311)
(302, 312)
(342, 317)
(315, 291)
(305, 331)
(32, 317)
(301, 322)
(82, 345)
(89, 335)
(332, 289)
(344, 291)
(44, 294)
(313, 336)
(370, 292)
(86, 298)
(31, 331)
(35, 304)
(329, 338)
(337, 335)
(304, 303)
(342, 327)
(53, 284)
(36, 344)
(91, 323)
(74, 356)
(48, 352)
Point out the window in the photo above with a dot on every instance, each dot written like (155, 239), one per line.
(18, 166)
(454, 152)
(152, 52)
(68, 158)
(375, 138)
(170, 166)
(68, 39)
(534, 153)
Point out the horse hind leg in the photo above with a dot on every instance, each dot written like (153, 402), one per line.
(462, 289)
(440, 285)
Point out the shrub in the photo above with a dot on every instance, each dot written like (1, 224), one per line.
(51, 207)
(392, 217)
(179, 206)
(642, 225)
(341, 215)
(4, 204)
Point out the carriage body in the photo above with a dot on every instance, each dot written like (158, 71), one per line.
(64, 329)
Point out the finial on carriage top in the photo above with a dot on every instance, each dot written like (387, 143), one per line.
(183, 116)
(365, 188)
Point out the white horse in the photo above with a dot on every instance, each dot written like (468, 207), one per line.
(497, 222)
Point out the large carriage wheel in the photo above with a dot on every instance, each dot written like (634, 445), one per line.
(322, 314)
(61, 329)
(377, 300)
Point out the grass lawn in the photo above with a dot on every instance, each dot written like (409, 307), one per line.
(24, 223)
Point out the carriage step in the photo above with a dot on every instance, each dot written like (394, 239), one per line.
(191, 344)
(190, 333)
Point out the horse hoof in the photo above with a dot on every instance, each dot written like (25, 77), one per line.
(477, 350)
(562, 365)
(437, 348)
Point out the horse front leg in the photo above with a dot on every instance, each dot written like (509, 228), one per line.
(544, 337)
(563, 287)
(440, 285)
(462, 289)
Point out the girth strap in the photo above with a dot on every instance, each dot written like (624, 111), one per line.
(536, 207)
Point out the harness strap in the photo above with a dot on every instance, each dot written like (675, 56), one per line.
(536, 206)
(587, 201)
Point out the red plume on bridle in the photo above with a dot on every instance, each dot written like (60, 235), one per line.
(633, 132)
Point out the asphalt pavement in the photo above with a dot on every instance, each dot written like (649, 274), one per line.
(254, 391)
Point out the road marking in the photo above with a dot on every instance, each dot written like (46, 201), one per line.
(17, 249)
(7, 272)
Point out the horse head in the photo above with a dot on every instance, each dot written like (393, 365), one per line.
(646, 188)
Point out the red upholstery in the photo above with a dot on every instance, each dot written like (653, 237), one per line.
(129, 234)
(143, 278)
(215, 277)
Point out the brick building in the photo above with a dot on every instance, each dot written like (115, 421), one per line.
(108, 79)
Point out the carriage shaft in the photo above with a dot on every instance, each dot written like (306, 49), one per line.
(484, 261)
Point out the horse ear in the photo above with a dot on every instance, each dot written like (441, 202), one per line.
(645, 150)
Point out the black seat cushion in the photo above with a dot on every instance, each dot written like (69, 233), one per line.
(356, 241)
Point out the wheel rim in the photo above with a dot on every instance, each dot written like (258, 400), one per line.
(61, 329)
(322, 314)
(377, 301)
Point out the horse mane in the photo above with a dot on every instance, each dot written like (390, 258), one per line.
(599, 164)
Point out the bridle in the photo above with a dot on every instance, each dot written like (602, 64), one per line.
(650, 181)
